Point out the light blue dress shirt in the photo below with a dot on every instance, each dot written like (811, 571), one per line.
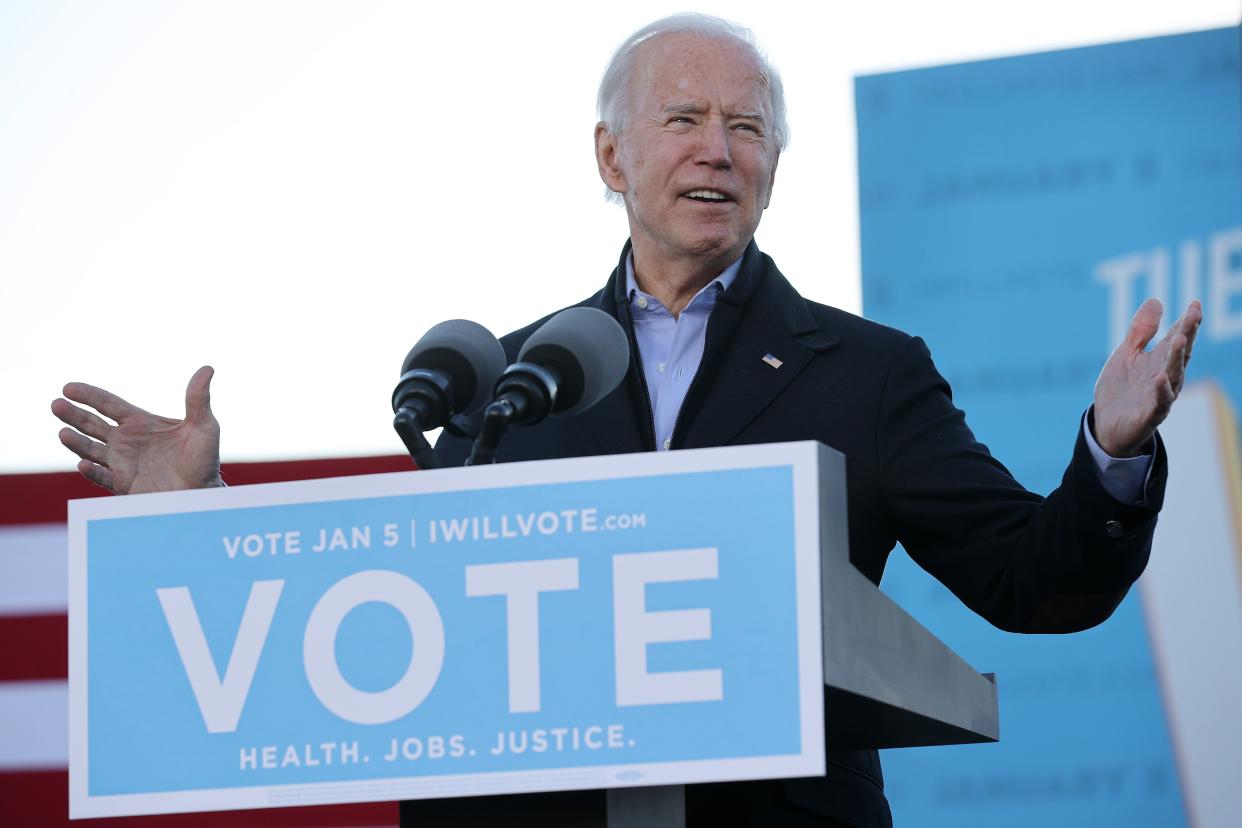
(671, 349)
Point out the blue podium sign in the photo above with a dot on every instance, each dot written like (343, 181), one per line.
(600, 622)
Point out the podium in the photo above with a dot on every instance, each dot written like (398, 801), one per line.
(887, 680)
(649, 620)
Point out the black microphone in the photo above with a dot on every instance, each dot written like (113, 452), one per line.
(451, 370)
(572, 362)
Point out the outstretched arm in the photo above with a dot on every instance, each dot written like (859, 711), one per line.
(1026, 566)
(143, 452)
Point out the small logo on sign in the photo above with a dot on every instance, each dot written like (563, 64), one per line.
(773, 361)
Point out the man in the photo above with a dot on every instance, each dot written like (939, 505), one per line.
(726, 352)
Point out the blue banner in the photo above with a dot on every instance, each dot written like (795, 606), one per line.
(1015, 213)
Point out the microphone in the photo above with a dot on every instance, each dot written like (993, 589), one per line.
(572, 362)
(450, 370)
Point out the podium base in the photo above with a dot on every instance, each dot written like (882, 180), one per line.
(654, 807)
(657, 807)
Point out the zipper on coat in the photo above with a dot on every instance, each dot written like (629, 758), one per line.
(672, 437)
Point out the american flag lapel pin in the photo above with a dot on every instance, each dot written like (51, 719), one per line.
(773, 361)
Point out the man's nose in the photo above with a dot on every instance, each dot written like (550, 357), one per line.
(714, 145)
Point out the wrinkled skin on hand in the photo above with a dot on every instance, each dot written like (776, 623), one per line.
(142, 452)
(1137, 387)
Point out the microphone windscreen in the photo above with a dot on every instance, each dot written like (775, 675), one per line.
(589, 349)
(468, 353)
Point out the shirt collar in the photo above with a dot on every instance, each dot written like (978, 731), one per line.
(716, 286)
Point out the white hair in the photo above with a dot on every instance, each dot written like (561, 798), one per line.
(616, 88)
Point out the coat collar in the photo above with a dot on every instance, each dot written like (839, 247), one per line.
(759, 316)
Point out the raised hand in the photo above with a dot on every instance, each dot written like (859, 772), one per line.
(1137, 387)
(143, 452)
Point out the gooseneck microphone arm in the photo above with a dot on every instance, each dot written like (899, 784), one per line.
(418, 399)
(525, 393)
(496, 419)
(411, 433)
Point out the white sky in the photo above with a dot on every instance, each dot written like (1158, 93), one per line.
(294, 192)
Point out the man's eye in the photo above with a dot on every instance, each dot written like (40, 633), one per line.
(750, 127)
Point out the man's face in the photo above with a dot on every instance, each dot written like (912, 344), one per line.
(696, 159)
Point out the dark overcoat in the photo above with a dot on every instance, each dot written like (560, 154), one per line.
(915, 473)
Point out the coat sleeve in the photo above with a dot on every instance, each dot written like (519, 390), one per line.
(1025, 563)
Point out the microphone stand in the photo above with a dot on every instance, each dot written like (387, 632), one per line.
(525, 393)
(411, 433)
(421, 396)
(496, 419)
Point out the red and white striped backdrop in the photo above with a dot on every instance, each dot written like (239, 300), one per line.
(34, 746)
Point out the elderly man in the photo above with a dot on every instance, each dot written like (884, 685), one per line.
(726, 352)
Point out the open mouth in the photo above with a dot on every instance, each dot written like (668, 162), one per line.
(707, 196)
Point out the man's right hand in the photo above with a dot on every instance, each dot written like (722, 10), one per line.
(142, 452)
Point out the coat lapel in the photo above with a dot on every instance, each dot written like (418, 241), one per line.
(760, 316)
(620, 422)
(759, 339)
(614, 424)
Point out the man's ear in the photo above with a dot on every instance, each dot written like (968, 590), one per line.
(608, 159)
(772, 179)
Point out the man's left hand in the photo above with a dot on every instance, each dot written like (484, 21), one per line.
(1137, 387)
